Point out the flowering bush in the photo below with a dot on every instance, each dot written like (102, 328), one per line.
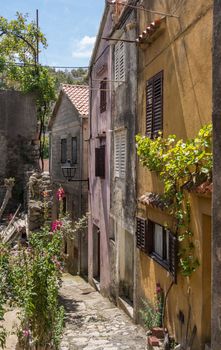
(35, 277)
(151, 312)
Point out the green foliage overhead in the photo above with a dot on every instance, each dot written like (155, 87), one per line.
(179, 164)
(19, 68)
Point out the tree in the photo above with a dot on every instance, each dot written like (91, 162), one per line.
(19, 69)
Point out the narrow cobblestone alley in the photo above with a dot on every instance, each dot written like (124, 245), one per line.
(93, 322)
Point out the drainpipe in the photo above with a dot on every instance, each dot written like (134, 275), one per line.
(80, 194)
(216, 204)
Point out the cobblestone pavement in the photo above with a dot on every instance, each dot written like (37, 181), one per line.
(93, 322)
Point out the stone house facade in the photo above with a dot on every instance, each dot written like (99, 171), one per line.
(174, 96)
(68, 135)
(123, 152)
(99, 262)
(113, 83)
(19, 145)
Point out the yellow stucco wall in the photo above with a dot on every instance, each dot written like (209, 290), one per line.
(183, 52)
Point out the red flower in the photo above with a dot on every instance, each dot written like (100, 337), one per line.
(56, 225)
(60, 193)
(158, 288)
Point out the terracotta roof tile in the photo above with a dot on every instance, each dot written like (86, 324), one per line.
(79, 96)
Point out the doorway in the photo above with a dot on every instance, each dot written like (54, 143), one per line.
(96, 253)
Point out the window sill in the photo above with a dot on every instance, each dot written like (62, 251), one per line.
(161, 262)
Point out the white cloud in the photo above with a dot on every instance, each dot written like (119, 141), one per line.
(83, 48)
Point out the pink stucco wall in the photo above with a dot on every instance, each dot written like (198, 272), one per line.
(99, 191)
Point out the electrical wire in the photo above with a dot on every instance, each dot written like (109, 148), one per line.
(47, 66)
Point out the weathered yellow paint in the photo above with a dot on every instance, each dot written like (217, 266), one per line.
(183, 52)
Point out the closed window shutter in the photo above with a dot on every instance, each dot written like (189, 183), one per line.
(120, 154)
(121, 61)
(116, 71)
(103, 95)
(157, 103)
(150, 237)
(154, 105)
(63, 150)
(97, 161)
(117, 155)
(119, 73)
(74, 150)
(149, 108)
(123, 155)
(173, 245)
(100, 161)
(141, 233)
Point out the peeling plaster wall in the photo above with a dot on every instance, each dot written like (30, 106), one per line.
(183, 52)
(216, 234)
(68, 124)
(123, 193)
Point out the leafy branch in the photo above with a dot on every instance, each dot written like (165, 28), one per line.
(180, 165)
(19, 68)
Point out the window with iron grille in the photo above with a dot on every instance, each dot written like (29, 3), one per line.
(100, 161)
(158, 242)
(74, 150)
(120, 153)
(154, 105)
(63, 150)
(119, 67)
(103, 95)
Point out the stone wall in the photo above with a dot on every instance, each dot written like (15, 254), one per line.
(39, 200)
(19, 148)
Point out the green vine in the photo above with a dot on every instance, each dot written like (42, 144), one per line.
(181, 166)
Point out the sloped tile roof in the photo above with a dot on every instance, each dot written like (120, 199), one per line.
(79, 96)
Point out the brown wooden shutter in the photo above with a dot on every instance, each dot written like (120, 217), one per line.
(173, 249)
(141, 233)
(149, 108)
(149, 237)
(100, 161)
(103, 95)
(157, 103)
(154, 105)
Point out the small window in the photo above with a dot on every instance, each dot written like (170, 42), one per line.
(103, 95)
(100, 161)
(119, 67)
(63, 150)
(74, 150)
(157, 242)
(120, 154)
(154, 105)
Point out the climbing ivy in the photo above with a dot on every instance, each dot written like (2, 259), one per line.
(180, 165)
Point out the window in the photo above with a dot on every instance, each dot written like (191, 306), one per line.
(100, 161)
(119, 68)
(103, 95)
(154, 105)
(158, 242)
(74, 150)
(120, 153)
(63, 150)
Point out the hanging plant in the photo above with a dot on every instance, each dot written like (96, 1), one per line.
(180, 165)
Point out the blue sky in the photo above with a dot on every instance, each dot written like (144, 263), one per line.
(70, 27)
